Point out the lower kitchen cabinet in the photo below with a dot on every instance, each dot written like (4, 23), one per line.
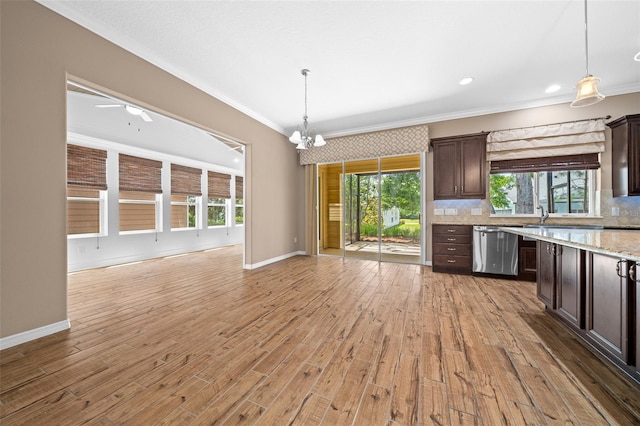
(546, 276)
(570, 284)
(634, 274)
(527, 260)
(607, 306)
(452, 248)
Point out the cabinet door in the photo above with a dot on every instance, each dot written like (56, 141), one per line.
(570, 284)
(445, 171)
(546, 279)
(473, 168)
(606, 310)
(634, 157)
(636, 284)
(527, 261)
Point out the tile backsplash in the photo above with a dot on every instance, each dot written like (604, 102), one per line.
(477, 212)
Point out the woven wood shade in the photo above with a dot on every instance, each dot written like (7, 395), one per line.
(547, 164)
(86, 167)
(219, 185)
(185, 180)
(140, 174)
(239, 187)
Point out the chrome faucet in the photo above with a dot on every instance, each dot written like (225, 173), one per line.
(543, 215)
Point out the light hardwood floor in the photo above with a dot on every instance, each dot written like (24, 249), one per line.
(310, 340)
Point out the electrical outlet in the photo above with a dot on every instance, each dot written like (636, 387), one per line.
(615, 211)
(451, 212)
(476, 212)
(438, 212)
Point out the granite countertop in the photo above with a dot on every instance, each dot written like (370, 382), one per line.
(624, 243)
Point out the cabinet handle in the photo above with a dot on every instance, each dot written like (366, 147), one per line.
(451, 249)
(618, 268)
(455, 189)
(451, 239)
(451, 261)
(461, 189)
(632, 272)
(451, 230)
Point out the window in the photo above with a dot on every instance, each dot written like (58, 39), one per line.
(184, 211)
(560, 192)
(219, 185)
(186, 194)
(86, 191)
(140, 194)
(239, 208)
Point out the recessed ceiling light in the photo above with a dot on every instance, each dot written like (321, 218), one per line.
(637, 57)
(552, 88)
(466, 81)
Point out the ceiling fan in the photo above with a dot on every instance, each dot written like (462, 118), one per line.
(130, 109)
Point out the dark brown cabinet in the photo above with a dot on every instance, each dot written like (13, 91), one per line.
(561, 281)
(607, 305)
(546, 277)
(634, 274)
(625, 155)
(527, 260)
(459, 167)
(570, 284)
(452, 248)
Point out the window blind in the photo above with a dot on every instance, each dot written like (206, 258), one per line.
(86, 167)
(239, 188)
(562, 139)
(219, 185)
(140, 174)
(185, 180)
(547, 164)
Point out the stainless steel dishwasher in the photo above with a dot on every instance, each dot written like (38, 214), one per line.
(494, 251)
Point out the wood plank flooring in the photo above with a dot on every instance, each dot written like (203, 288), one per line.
(197, 340)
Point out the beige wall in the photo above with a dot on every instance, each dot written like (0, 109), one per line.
(39, 51)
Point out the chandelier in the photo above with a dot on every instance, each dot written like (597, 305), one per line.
(587, 88)
(303, 137)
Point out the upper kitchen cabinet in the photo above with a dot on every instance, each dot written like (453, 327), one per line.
(625, 161)
(459, 167)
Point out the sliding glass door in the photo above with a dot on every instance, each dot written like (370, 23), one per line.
(371, 209)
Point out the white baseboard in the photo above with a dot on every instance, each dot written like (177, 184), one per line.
(273, 260)
(36, 333)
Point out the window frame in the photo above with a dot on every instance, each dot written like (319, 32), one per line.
(225, 205)
(196, 205)
(157, 202)
(592, 188)
(103, 230)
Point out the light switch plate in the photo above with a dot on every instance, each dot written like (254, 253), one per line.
(438, 212)
(476, 212)
(451, 212)
(615, 211)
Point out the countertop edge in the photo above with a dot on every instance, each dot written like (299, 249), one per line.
(534, 233)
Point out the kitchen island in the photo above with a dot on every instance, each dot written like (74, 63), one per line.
(589, 279)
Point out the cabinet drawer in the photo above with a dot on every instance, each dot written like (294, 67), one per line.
(452, 249)
(452, 239)
(453, 230)
(462, 262)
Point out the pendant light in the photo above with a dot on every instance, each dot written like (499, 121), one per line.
(303, 137)
(587, 88)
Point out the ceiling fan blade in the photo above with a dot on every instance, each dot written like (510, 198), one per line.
(145, 117)
(109, 106)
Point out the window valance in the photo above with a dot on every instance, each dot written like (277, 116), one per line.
(239, 187)
(86, 167)
(219, 185)
(140, 174)
(572, 138)
(185, 180)
(547, 164)
(404, 140)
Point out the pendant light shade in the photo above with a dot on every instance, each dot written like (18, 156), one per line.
(588, 93)
(587, 88)
(302, 137)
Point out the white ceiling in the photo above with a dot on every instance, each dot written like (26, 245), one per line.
(375, 64)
